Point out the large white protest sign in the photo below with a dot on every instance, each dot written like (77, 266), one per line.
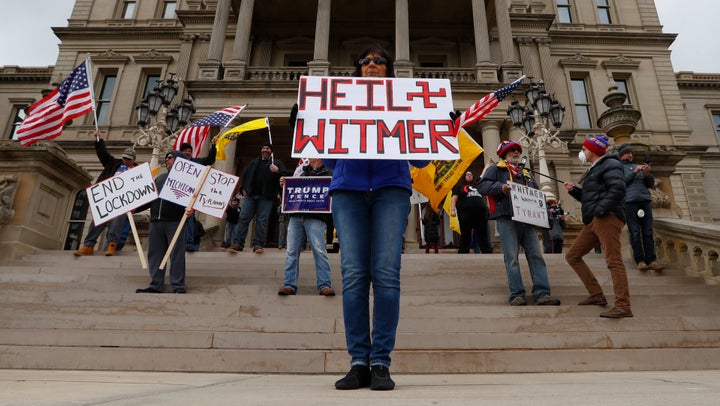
(378, 118)
(216, 192)
(118, 195)
(529, 205)
(184, 179)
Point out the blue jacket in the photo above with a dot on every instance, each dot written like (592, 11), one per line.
(491, 185)
(365, 175)
(637, 184)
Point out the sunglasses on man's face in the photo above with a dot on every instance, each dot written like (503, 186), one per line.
(514, 150)
(377, 61)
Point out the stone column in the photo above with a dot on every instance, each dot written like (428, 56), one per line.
(511, 70)
(403, 66)
(235, 69)
(217, 39)
(546, 63)
(485, 69)
(320, 66)
(490, 138)
(210, 69)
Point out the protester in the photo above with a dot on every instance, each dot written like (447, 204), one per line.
(553, 235)
(260, 186)
(192, 243)
(495, 184)
(111, 166)
(370, 208)
(232, 223)
(165, 218)
(602, 195)
(638, 209)
(470, 208)
(431, 223)
(310, 227)
(283, 219)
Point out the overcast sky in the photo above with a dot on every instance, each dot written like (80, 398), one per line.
(27, 39)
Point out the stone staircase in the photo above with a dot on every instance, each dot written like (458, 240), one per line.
(61, 312)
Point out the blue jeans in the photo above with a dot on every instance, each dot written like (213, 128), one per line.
(370, 228)
(514, 235)
(114, 226)
(251, 206)
(232, 233)
(641, 231)
(301, 229)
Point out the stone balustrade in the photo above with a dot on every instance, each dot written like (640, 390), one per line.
(293, 73)
(689, 245)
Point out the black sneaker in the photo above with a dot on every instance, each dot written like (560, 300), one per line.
(358, 377)
(380, 378)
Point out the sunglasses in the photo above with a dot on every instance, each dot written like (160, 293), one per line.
(377, 61)
(167, 158)
(514, 150)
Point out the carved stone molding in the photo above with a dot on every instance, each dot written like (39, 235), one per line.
(579, 60)
(153, 56)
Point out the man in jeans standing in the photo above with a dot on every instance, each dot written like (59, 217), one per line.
(638, 209)
(310, 227)
(260, 185)
(495, 184)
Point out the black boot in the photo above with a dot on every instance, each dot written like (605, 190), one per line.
(358, 377)
(380, 378)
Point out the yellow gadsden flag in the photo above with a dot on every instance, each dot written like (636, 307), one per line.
(454, 221)
(437, 179)
(232, 134)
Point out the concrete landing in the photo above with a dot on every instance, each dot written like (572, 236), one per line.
(33, 387)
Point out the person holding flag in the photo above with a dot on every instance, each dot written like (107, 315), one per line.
(260, 184)
(111, 167)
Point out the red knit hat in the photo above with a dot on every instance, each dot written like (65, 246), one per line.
(505, 146)
(597, 144)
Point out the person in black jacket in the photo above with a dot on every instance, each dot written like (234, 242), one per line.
(232, 218)
(111, 167)
(602, 195)
(165, 218)
(192, 243)
(260, 184)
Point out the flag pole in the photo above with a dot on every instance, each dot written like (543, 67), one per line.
(92, 96)
(272, 154)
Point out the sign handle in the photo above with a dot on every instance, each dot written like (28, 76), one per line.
(131, 219)
(203, 177)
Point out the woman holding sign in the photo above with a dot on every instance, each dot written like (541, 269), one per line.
(370, 208)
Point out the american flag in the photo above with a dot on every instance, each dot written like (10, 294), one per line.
(197, 132)
(72, 99)
(485, 105)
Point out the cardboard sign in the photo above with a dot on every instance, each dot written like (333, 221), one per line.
(307, 194)
(216, 193)
(182, 181)
(374, 118)
(528, 205)
(118, 195)
(213, 196)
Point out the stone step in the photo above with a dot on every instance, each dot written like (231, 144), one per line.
(58, 311)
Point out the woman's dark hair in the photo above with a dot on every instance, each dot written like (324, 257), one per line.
(378, 50)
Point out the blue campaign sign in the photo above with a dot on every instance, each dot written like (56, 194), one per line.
(307, 194)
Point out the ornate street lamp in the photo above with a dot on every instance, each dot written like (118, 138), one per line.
(155, 104)
(541, 114)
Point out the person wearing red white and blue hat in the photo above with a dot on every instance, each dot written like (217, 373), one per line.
(602, 196)
(495, 184)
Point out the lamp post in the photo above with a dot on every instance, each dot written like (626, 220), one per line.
(158, 135)
(541, 115)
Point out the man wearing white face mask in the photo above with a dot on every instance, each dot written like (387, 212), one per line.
(513, 234)
(602, 195)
